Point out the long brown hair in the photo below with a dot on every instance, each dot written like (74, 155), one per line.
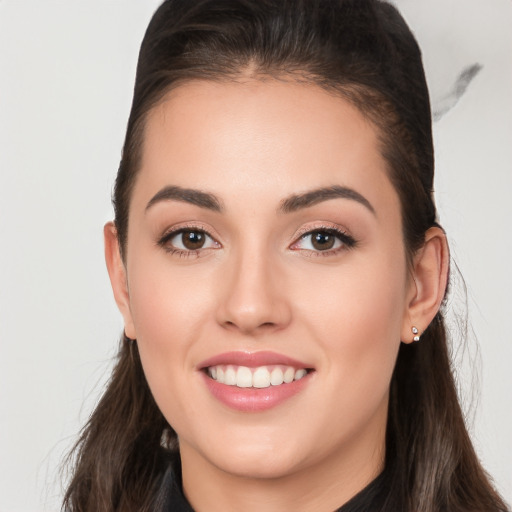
(363, 51)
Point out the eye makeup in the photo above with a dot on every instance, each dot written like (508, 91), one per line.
(188, 240)
(193, 240)
(323, 240)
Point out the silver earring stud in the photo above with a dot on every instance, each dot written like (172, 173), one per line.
(416, 335)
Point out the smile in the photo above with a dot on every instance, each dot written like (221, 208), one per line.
(254, 381)
(259, 377)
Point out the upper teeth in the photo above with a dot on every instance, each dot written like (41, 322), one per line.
(260, 377)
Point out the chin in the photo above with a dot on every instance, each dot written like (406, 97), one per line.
(259, 461)
(259, 467)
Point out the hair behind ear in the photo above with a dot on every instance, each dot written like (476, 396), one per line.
(431, 455)
(118, 459)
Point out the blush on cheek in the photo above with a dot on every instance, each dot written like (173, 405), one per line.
(368, 329)
(160, 300)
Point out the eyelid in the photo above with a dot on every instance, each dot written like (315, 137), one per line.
(321, 226)
(347, 240)
(189, 226)
(175, 230)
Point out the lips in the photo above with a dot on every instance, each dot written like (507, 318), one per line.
(254, 381)
(252, 360)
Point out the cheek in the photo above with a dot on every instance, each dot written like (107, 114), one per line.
(168, 302)
(170, 314)
(364, 296)
(171, 309)
(355, 314)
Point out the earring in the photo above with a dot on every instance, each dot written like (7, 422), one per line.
(416, 335)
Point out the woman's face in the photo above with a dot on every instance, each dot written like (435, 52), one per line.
(265, 245)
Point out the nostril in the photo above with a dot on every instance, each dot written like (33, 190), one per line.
(260, 327)
(229, 325)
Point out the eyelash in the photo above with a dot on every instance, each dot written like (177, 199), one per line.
(347, 241)
(189, 253)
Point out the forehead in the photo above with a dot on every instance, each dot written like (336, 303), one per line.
(264, 138)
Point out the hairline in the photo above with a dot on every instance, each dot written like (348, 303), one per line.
(353, 92)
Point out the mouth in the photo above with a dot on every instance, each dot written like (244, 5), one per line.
(257, 381)
(259, 377)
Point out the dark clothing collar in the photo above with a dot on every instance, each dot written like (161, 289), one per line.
(171, 498)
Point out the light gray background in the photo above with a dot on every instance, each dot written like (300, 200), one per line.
(66, 75)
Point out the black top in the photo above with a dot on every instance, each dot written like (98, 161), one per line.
(171, 498)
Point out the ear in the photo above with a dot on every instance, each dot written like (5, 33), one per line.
(427, 286)
(118, 279)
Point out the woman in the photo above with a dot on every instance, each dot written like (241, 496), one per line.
(277, 261)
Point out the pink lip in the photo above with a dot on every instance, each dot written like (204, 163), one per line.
(253, 399)
(252, 360)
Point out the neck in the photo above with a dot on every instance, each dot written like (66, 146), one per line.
(324, 486)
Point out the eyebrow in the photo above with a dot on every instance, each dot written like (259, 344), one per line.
(186, 195)
(291, 204)
(312, 197)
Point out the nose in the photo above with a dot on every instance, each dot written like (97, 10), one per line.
(254, 296)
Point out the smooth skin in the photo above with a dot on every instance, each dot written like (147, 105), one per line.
(259, 283)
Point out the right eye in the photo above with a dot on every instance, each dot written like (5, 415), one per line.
(188, 241)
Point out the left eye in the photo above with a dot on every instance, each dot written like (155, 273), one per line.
(190, 240)
(322, 240)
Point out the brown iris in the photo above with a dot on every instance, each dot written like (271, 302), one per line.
(322, 240)
(193, 240)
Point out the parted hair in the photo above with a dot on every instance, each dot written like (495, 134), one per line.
(363, 51)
